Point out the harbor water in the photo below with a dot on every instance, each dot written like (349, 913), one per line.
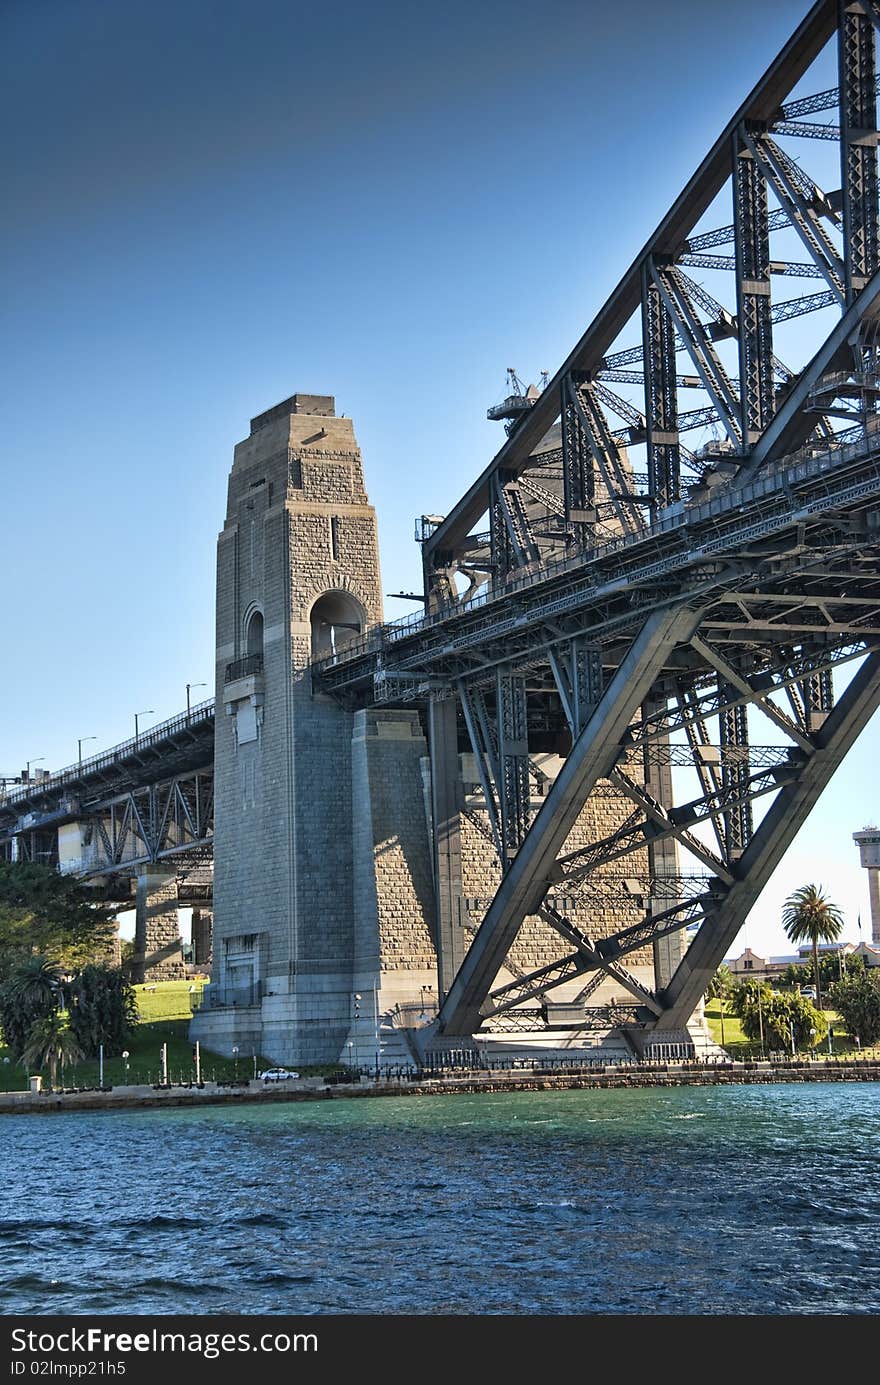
(739, 1199)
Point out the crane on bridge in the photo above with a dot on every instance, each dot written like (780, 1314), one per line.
(518, 401)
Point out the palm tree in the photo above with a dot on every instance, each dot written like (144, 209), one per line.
(51, 1041)
(807, 916)
(35, 984)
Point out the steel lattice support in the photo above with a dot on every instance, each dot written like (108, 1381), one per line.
(818, 696)
(483, 736)
(858, 145)
(578, 675)
(662, 856)
(675, 290)
(512, 544)
(579, 477)
(592, 453)
(591, 758)
(149, 824)
(752, 247)
(734, 741)
(769, 843)
(513, 763)
(661, 396)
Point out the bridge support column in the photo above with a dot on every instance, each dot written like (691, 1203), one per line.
(446, 813)
(663, 860)
(202, 937)
(394, 966)
(157, 950)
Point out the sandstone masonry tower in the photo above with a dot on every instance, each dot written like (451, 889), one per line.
(330, 899)
(322, 888)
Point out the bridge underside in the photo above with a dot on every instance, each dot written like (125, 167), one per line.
(668, 576)
(657, 611)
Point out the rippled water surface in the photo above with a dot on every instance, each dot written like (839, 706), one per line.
(682, 1200)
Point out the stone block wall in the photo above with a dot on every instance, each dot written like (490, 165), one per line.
(157, 947)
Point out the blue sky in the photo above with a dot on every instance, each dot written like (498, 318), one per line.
(211, 205)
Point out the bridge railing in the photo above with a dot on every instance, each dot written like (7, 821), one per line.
(241, 668)
(811, 459)
(202, 711)
(225, 997)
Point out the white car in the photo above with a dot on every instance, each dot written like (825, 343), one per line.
(278, 1075)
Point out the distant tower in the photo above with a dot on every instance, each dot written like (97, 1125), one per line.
(312, 903)
(869, 849)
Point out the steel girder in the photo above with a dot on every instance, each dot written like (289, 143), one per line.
(526, 882)
(155, 822)
(858, 146)
(770, 842)
(714, 905)
(661, 396)
(677, 235)
(774, 550)
(752, 262)
(577, 671)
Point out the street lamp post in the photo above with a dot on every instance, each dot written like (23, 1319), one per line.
(235, 1056)
(28, 763)
(148, 713)
(188, 686)
(125, 1056)
(79, 749)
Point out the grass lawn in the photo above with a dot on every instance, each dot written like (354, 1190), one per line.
(167, 1000)
(165, 1010)
(738, 1046)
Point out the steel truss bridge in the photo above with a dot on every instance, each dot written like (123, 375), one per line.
(618, 589)
(654, 601)
(146, 802)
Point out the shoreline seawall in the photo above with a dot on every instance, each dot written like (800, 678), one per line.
(471, 1081)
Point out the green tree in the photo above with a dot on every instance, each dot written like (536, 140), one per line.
(857, 1000)
(833, 966)
(51, 1042)
(720, 984)
(808, 916)
(31, 992)
(44, 912)
(792, 975)
(779, 1016)
(103, 1009)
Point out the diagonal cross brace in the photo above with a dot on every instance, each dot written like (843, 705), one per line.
(741, 684)
(593, 955)
(592, 756)
(772, 839)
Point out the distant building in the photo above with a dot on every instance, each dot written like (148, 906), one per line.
(750, 965)
(869, 955)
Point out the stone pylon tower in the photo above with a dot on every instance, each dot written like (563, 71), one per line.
(322, 881)
(869, 849)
